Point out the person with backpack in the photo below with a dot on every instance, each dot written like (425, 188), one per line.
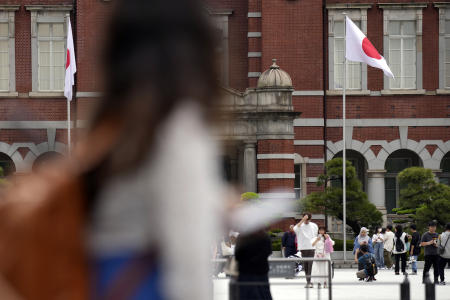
(444, 253)
(362, 239)
(400, 240)
(366, 264)
(430, 243)
(415, 248)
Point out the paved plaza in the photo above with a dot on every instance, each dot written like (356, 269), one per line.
(378, 290)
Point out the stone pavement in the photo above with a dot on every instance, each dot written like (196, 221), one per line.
(357, 290)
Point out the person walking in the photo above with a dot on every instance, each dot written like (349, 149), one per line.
(400, 240)
(306, 231)
(388, 247)
(252, 251)
(444, 252)
(378, 247)
(415, 248)
(101, 226)
(289, 242)
(430, 242)
(323, 245)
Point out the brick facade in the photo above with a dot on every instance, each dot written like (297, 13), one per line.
(293, 32)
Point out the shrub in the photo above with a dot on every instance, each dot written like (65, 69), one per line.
(276, 245)
(339, 246)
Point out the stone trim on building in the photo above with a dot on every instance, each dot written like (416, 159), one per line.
(275, 156)
(418, 122)
(276, 176)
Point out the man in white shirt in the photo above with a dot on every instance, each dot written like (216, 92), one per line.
(388, 247)
(306, 231)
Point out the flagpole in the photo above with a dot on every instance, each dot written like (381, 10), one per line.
(68, 126)
(344, 158)
(68, 100)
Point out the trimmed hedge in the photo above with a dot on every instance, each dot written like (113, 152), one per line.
(339, 245)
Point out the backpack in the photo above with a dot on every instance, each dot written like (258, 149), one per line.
(371, 266)
(399, 246)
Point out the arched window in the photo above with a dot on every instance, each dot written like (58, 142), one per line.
(395, 163)
(360, 164)
(7, 165)
(44, 158)
(444, 177)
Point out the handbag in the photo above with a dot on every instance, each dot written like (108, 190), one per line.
(442, 248)
(231, 267)
(328, 246)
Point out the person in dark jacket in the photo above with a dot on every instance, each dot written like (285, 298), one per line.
(288, 242)
(252, 251)
(415, 248)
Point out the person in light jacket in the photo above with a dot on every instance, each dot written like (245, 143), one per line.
(445, 256)
(321, 251)
(378, 242)
(362, 239)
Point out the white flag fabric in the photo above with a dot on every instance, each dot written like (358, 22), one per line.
(71, 67)
(359, 48)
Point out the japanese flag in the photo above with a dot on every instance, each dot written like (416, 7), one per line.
(71, 67)
(359, 48)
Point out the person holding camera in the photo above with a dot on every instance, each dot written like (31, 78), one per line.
(444, 252)
(323, 245)
(429, 242)
(306, 231)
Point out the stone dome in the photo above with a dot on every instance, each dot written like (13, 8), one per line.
(274, 77)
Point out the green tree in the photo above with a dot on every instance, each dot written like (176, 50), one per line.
(360, 212)
(422, 198)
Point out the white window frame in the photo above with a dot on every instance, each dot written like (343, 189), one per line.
(44, 14)
(299, 160)
(404, 12)
(220, 21)
(356, 12)
(444, 15)
(7, 15)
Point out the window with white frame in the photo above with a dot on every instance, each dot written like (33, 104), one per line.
(444, 46)
(7, 48)
(48, 47)
(298, 181)
(402, 43)
(402, 54)
(356, 78)
(447, 54)
(4, 57)
(51, 56)
(353, 68)
(220, 23)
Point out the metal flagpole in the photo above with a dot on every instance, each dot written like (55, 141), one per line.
(344, 158)
(68, 126)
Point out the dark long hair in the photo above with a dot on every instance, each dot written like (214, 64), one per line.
(398, 231)
(158, 54)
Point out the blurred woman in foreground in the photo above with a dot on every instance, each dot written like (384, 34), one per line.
(119, 222)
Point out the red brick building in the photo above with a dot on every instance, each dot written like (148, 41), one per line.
(280, 128)
(391, 125)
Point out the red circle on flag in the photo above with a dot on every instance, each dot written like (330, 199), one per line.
(369, 49)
